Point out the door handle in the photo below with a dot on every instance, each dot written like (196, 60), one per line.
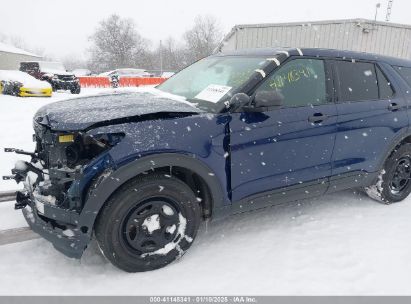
(394, 106)
(317, 118)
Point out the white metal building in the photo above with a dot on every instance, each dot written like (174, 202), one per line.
(353, 34)
(10, 57)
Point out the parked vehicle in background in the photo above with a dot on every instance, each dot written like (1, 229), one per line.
(127, 73)
(81, 72)
(167, 74)
(18, 83)
(233, 132)
(116, 75)
(54, 73)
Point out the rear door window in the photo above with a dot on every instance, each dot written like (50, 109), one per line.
(405, 73)
(357, 81)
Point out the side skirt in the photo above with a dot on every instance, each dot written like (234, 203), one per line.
(274, 197)
(298, 192)
(351, 180)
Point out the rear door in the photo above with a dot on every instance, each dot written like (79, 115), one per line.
(370, 114)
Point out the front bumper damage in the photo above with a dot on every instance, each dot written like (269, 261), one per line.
(58, 226)
(58, 220)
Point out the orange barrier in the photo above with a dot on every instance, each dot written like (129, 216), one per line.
(104, 82)
(94, 82)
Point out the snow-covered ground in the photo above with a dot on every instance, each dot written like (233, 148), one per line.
(9, 218)
(340, 244)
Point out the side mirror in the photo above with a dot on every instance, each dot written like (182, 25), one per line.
(239, 100)
(267, 99)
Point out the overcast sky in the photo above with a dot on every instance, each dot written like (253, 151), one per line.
(62, 27)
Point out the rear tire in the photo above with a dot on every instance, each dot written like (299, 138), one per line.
(148, 223)
(394, 181)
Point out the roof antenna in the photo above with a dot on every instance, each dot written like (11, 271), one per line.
(389, 8)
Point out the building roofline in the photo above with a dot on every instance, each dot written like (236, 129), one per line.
(237, 27)
(6, 48)
(322, 22)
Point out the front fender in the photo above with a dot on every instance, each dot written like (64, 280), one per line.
(111, 181)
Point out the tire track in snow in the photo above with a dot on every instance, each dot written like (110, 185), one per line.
(6, 196)
(17, 235)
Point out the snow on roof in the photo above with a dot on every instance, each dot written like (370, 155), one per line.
(26, 79)
(11, 49)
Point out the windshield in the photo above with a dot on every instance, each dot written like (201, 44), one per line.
(57, 66)
(208, 81)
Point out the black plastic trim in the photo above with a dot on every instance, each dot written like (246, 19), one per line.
(281, 196)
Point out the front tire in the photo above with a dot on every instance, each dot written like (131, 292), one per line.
(394, 181)
(148, 223)
(75, 89)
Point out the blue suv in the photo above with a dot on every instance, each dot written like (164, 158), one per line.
(231, 133)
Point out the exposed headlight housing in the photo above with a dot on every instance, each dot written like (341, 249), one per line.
(82, 148)
(66, 138)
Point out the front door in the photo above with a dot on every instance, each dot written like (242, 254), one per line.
(289, 148)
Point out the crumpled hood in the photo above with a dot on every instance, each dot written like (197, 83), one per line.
(82, 113)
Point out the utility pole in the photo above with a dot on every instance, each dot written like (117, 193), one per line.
(389, 8)
(377, 6)
(161, 58)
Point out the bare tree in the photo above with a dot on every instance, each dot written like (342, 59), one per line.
(74, 61)
(20, 43)
(203, 38)
(3, 37)
(172, 54)
(117, 44)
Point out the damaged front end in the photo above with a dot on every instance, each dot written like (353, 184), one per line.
(56, 182)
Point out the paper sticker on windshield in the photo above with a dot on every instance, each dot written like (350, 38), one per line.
(213, 93)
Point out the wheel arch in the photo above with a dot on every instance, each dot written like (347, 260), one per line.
(403, 137)
(197, 175)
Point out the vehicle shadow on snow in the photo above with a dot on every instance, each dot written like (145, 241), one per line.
(286, 217)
